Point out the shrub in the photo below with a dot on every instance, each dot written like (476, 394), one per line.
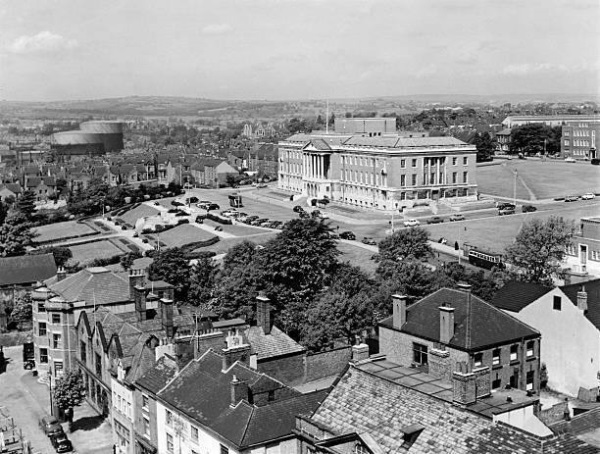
(145, 241)
(595, 162)
(123, 227)
(159, 228)
(183, 221)
(218, 219)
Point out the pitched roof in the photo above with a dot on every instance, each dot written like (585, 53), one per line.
(157, 377)
(364, 403)
(484, 326)
(515, 296)
(26, 269)
(94, 285)
(266, 346)
(592, 288)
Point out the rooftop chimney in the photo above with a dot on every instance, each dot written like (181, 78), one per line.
(263, 313)
(466, 288)
(136, 279)
(61, 273)
(398, 311)
(239, 391)
(446, 324)
(166, 307)
(582, 303)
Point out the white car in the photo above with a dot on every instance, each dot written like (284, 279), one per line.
(570, 160)
(588, 196)
(411, 223)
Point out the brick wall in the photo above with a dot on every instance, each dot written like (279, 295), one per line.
(555, 413)
(287, 369)
(325, 364)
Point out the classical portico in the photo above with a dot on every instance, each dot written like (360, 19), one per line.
(316, 163)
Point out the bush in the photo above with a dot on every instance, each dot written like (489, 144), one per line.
(123, 227)
(159, 228)
(595, 162)
(145, 241)
(218, 219)
(183, 221)
(147, 230)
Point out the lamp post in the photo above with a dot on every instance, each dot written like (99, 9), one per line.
(50, 384)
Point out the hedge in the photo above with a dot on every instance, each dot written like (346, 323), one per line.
(218, 219)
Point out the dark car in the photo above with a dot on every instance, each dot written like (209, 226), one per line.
(298, 209)
(250, 219)
(51, 426)
(61, 443)
(212, 206)
(347, 235)
(175, 203)
(435, 220)
(200, 219)
(572, 198)
(258, 222)
(369, 240)
(193, 200)
(502, 205)
(528, 208)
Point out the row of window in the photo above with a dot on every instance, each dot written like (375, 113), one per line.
(122, 405)
(420, 354)
(578, 143)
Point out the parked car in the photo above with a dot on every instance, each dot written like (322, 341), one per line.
(457, 217)
(212, 206)
(369, 240)
(261, 185)
(51, 426)
(157, 204)
(348, 235)
(274, 224)
(435, 220)
(200, 219)
(61, 442)
(251, 219)
(570, 160)
(411, 223)
(177, 203)
(258, 222)
(588, 196)
(528, 208)
(297, 209)
(571, 198)
(506, 210)
(267, 223)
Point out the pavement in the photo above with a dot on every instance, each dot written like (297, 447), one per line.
(27, 399)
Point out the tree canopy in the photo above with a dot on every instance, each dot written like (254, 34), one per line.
(405, 244)
(69, 391)
(539, 248)
(534, 138)
(15, 234)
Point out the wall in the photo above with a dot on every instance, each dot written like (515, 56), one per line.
(571, 343)
(285, 447)
(524, 417)
(122, 414)
(149, 412)
(287, 369)
(555, 413)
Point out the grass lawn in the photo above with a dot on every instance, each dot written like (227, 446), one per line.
(357, 256)
(54, 232)
(143, 210)
(237, 229)
(546, 179)
(495, 233)
(223, 246)
(183, 234)
(85, 253)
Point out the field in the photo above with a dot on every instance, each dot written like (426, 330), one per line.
(183, 234)
(545, 179)
(85, 253)
(60, 230)
(495, 233)
(357, 256)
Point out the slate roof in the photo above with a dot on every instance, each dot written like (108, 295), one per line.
(515, 296)
(99, 284)
(363, 403)
(403, 142)
(487, 324)
(592, 289)
(245, 424)
(157, 377)
(26, 269)
(272, 345)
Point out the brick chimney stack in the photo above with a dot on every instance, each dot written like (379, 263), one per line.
(239, 391)
(466, 288)
(61, 273)
(263, 313)
(166, 307)
(137, 278)
(446, 324)
(398, 311)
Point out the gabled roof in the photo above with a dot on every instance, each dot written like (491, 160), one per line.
(484, 326)
(26, 269)
(272, 345)
(364, 403)
(514, 295)
(94, 285)
(157, 377)
(592, 288)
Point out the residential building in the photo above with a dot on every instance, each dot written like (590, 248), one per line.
(264, 159)
(384, 172)
(380, 407)
(449, 327)
(503, 141)
(568, 319)
(10, 190)
(583, 254)
(580, 139)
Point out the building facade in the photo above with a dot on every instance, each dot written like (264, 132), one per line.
(580, 139)
(378, 171)
(583, 254)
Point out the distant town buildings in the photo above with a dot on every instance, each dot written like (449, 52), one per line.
(94, 138)
(549, 120)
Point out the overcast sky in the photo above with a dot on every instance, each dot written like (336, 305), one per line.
(296, 49)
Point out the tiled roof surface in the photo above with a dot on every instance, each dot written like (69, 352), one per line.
(25, 269)
(277, 343)
(157, 377)
(402, 142)
(592, 288)
(514, 296)
(93, 284)
(488, 325)
(363, 403)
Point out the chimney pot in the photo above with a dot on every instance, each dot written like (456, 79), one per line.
(398, 311)
(582, 299)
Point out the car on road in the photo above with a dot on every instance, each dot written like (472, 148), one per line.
(212, 206)
(501, 205)
(457, 217)
(157, 204)
(411, 223)
(274, 224)
(261, 185)
(588, 196)
(51, 426)
(369, 240)
(506, 210)
(250, 219)
(177, 203)
(528, 209)
(570, 160)
(571, 198)
(348, 235)
(435, 220)
(61, 443)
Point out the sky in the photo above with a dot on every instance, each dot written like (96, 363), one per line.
(296, 49)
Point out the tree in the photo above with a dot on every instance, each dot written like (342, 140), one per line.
(15, 234)
(127, 260)
(405, 244)
(485, 146)
(22, 311)
(539, 248)
(172, 266)
(202, 282)
(61, 254)
(534, 138)
(26, 204)
(69, 392)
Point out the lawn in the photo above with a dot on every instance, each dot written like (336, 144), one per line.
(60, 230)
(358, 256)
(85, 253)
(495, 233)
(182, 235)
(223, 246)
(546, 179)
(237, 229)
(143, 210)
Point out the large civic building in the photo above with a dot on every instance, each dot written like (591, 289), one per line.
(94, 138)
(580, 139)
(378, 170)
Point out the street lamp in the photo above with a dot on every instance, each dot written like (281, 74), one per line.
(50, 384)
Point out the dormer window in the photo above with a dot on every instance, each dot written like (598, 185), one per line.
(120, 372)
